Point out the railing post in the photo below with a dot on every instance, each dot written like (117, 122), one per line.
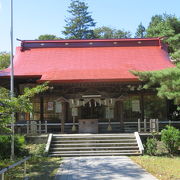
(154, 125)
(139, 125)
(150, 125)
(157, 125)
(27, 127)
(169, 122)
(46, 127)
(39, 127)
(145, 125)
(2, 176)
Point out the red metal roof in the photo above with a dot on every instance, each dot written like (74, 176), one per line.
(89, 60)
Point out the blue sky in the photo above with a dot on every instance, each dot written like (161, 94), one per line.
(35, 17)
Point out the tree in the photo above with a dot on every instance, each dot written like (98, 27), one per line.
(4, 60)
(48, 37)
(166, 26)
(106, 32)
(79, 24)
(140, 32)
(167, 82)
(21, 103)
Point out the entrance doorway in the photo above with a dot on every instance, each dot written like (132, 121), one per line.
(92, 110)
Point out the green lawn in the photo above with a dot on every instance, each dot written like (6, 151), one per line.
(38, 167)
(164, 168)
(43, 168)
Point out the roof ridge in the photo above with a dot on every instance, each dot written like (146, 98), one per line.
(93, 40)
(69, 43)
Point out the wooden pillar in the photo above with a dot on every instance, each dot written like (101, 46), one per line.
(119, 106)
(63, 116)
(41, 108)
(142, 106)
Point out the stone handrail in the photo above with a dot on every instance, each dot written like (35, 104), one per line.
(140, 145)
(48, 143)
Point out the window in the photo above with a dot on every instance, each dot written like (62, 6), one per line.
(131, 108)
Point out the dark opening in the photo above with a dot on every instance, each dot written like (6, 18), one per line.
(92, 110)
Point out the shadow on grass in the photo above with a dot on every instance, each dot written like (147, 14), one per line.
(44, 168)
(38, 168)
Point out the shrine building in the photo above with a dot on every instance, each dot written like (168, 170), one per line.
(92, 87)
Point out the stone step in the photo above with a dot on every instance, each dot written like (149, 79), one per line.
(94, 135)
(94, 154)
(93, 148)
(92, 140)
(94, 144)
(90, 134)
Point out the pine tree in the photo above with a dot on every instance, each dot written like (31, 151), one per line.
(166, 81)
(79, 24)
(141, 30)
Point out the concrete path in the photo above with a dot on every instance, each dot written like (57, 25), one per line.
(101, 168)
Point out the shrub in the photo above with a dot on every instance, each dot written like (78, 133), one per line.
(5, 146)
(161, 149)
(151, 146)
(171, 138)
(40, 148)
(36, 149)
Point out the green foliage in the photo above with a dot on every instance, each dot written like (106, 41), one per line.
(21, 103)
(166, 26)
(167, 82)
(105, 32)
(160, 25)
(171, 138)
(176, 55)
(154, 107)
(141, 31)
(5, 144)
(4, 60)
(48, 37)
(79, 24)
(40, 150)
(151, 146)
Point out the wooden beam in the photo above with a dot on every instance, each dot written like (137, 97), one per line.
(121, 116)
(63, 116)
(142, 106)
(41, 108)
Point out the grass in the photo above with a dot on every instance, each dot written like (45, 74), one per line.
(43, 168)
(163, 167)
(38, 167)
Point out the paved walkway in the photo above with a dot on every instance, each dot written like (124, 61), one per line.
(101, 168)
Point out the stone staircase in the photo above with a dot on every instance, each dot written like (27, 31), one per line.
(93, 145)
